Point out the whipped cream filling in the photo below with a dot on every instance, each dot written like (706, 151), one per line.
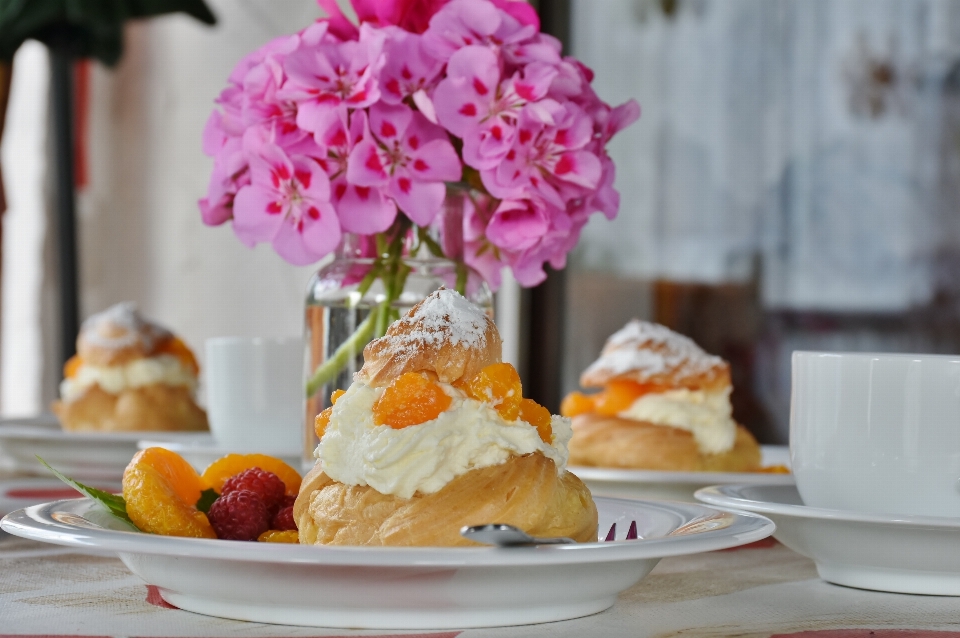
(164, 368)
(423, 458)
(707, 415)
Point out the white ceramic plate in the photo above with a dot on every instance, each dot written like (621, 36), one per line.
(203, 450)
(23, 492)
(85, 456)
(397, 588)
(678, 486)
(905, 554)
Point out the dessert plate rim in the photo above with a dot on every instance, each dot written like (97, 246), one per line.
(773, 455)
(731, 496)
(69, 522)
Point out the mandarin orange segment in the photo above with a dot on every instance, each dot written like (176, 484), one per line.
(279, 536)
(230, 465)
(577, 403)
(539, 417)
(174, 346)
(322, 421)
(413, 398)
(71, 366)
(161, 491)
(619, 395)
(499, 385)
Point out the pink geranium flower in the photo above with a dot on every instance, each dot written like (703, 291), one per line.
(407, 156)
(408, 67)
(472, 103)
(463, 23)
(549, 160)
(287, 204)
(329, 74)
(361, 209)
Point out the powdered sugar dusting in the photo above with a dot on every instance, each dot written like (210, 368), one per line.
(651, 349)
(121, 326)
(443, 316)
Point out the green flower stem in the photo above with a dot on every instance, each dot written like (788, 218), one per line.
(328, 370)
(392, 270)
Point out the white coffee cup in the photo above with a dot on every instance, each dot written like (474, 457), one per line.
(877, 433)
(255, 398)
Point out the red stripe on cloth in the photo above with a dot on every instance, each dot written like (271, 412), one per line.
(446, 634)
(763, 543)
(870, 633)
(155, 599)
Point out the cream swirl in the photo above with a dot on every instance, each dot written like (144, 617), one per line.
(166, 369)
(423, 458)
(707, 415)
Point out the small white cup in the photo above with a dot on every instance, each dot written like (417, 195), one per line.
(877, 433)
(255, 398)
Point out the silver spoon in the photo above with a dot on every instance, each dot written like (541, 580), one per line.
(507, 536)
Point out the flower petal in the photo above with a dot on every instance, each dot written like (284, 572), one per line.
(365, 166)
(420, 201)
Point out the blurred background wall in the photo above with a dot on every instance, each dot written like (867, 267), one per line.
(793, 183)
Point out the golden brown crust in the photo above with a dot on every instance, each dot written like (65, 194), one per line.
(156, 407)
(615, 442)
(526, 491)
(443, 334)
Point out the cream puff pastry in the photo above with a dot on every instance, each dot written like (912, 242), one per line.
(129, 375)
(434, 434)
(665, 405)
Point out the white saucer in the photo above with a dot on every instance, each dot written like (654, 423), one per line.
(397, 588)
(85, 456)
(23, 492)
(201, 451)
(678, 486)
(904, 554)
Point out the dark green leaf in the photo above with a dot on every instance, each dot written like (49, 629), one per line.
(113, 502)
(207, 497)
(84, 28)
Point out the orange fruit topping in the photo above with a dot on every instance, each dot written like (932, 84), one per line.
(499, 385)
(413, 398)
(278, 536)
(161, 490)
(539, 417)
(71, 366)
(323, 419)
(620, 395)
(577, 403)
(230, 465)
(174, 346)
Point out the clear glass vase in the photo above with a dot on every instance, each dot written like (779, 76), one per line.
(339, 301)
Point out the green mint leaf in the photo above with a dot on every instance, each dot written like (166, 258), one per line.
(207, 497)
(113, 502)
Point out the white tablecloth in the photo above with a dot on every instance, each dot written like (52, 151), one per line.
(757, 591)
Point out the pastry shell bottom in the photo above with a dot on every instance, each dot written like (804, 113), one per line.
(525, 491)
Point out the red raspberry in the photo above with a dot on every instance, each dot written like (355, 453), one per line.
(267, 484)
(288, 501)
(284, 520)
(239, 516)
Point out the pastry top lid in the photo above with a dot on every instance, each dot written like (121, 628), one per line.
(648, 352)
(444, 334)
(117, 335)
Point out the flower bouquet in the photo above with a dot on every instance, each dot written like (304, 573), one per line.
(364, 128)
